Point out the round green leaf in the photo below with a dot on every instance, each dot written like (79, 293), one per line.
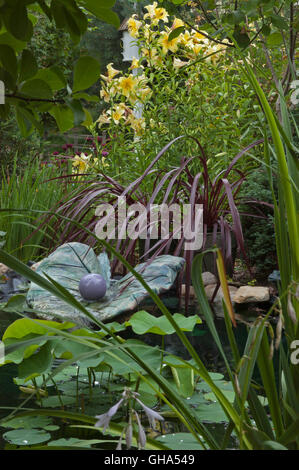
(143, 322)
(212, 413)
(64, 117)
(180, 440)
(53, 76)
(37, 88)
(19, 24)
(26, 437)
(176, 32)
(8, 60)
(28, 422)
(28, 65)
(86, 73)
(274, 39)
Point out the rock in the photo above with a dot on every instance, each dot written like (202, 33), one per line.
(217, 303)
(183, 291)
(4, 269)
(208, 278)
(247, 294)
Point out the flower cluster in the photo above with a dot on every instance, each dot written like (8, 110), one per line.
(161, 53)
(88, 163)
(128, 395)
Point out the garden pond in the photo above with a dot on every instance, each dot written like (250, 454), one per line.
(94, 390)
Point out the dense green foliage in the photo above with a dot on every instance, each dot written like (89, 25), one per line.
(34, 85)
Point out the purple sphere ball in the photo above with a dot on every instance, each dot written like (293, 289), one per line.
(92, 287)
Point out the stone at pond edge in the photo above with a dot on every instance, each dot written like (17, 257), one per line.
(217, 303)
(70, 262)
(208, 278)
(248, 294)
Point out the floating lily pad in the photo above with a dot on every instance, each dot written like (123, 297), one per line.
(212, 413)
(74, 442)
(180, 441)
(55, 401)
(27, 422)
(26, 437)
(70, 262)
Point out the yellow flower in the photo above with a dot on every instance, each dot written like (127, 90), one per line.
(137, 124)
(105, 95)
(111, 73)
(197, 37)
(215, 57)
(82, 162)
(127, 85)
(152, 56)
(134, 26)
(145, 93)
(156, 14)
(177, 63)
(135, 64)
(103, 119)
(104, 163)
(184, 38)
(167, 45)
(197, 48)
(117, 113)
(177, 23)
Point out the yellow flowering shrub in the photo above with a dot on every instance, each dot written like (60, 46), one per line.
(159, 53)
(180, 83)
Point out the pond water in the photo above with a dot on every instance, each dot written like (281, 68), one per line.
(200, 338)
(10, 395)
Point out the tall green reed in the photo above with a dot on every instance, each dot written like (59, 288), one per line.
(28, 189)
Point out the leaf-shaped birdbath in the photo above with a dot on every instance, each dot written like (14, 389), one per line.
(70, 262)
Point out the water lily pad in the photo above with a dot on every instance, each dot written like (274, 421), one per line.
(212, 413)
(70, 262)
(74, 442)
(27, 422)
(229, 394)
(180, 441)
(26, 437)
(54, 401)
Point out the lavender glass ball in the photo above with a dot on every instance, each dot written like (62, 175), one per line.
(92, 286)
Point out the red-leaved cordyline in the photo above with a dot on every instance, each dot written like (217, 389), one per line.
(128, 395)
